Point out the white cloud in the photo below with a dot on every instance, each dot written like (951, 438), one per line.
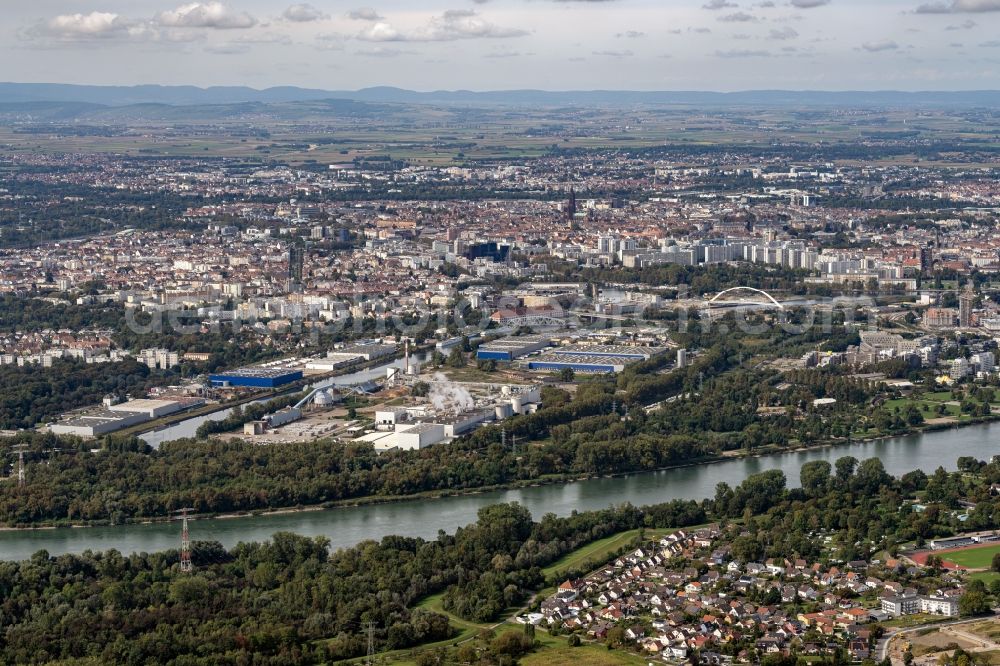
(364, 14)
(738, 17)
(787, 32)
(453, 25)
(959, 7)
(743, 53)
(95, 25)
(93, 28)
(303, 13)
(809, 4)
(382, 52)
(228, 49)
(877, 47)
(206, 15)
(713, 5)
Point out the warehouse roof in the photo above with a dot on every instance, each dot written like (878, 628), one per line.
(268, 373)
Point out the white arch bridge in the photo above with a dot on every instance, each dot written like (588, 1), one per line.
(759, 292)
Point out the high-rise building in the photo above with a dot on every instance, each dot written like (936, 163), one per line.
(965, 303)
(571, 205)
(296, 260)
(926, 260)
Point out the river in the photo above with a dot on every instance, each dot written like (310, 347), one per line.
(350, 525)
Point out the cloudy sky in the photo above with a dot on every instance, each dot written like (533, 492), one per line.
(502, 44)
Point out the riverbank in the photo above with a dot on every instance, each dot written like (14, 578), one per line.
(376, 518)
(549, 480)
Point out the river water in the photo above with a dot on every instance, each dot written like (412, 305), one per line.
(350, 525)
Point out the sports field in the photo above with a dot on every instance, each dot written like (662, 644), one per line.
(974, 557)
(979, 557)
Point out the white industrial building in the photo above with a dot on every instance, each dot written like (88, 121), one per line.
(96, 423)
(418, 436)
(412, 437)
(114, 417)
(153, 409)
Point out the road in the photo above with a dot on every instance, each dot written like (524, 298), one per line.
(882, 647)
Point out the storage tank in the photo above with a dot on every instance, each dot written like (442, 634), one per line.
(517, 404)
(323, 399)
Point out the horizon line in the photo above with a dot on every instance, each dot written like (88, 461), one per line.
(510, 90)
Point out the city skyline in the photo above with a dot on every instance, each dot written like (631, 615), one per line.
(508, 44)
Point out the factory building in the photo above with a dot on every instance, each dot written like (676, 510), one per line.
(371, 352)
(256, 378)
(622, 352)
(512, 348)
(114, 417)
(389, 418)
(154, 409)
(338, 359)
(97, 423)
(418, 436)
(591, 358)
(411, 437)
(577, 363)
(465, 422)
(283, 417)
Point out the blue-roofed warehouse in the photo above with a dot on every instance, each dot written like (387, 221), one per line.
(511, 348)
(591, 358)
(256, 377)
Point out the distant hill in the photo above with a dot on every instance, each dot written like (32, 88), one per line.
(88, 112)
(25, 93)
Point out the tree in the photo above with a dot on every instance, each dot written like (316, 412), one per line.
(511, 644)
(747, 549)
(845, 468)
(457, 359)
(815, 476)
(995, 565)
(871, 476)
(976, 600)
(567, 375)
(615, 637)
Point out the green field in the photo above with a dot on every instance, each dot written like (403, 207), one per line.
(985, 576)
(597, 552)
(556, 652)
(974, 558)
